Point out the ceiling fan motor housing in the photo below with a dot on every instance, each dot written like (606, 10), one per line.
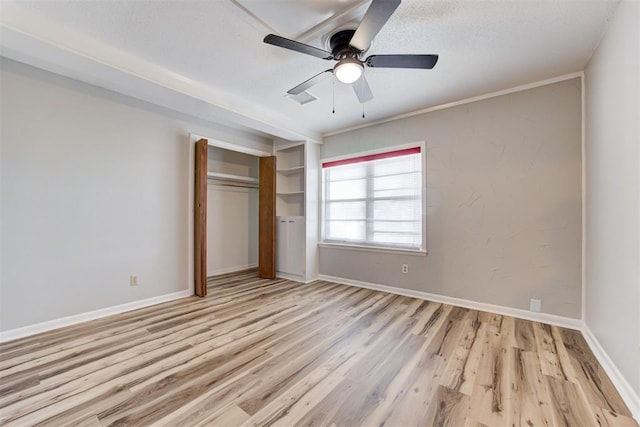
(340, 48)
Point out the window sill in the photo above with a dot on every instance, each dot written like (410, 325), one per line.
(362, 248)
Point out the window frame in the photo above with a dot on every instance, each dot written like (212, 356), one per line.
(374, 247)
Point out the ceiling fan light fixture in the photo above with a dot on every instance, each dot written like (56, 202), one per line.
(348, 70)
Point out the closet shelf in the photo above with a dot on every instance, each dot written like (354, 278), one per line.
(232, 178)
(289, 193)
(291, 171)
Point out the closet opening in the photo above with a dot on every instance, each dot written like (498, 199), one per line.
(234, 211)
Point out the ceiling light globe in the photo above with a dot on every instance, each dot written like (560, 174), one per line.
(348, 70)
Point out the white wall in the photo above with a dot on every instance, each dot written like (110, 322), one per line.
(503, 201)
(612, 258)
(95, 187)
(232, 228)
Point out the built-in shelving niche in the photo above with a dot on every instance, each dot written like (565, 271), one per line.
(290, 179)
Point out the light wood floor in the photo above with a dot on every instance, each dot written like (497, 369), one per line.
(261, 352)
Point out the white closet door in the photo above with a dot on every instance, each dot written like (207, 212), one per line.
(290, 253)
(295, 245)
(282, 238)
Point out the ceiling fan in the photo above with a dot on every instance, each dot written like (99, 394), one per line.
(347, 47)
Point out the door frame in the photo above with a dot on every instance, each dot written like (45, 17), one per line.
(191, 250)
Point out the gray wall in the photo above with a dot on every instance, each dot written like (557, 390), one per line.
(94, 188)
(612, 216)
(503, 201)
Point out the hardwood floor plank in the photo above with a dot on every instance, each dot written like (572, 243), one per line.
(563, 356)
(446, 338)
(80, 414)
(462, 367)
(608, 418)
(19, 385)
(89, 421)
(417, 375)
(547, 352)
(508, 332)
(590, 375)
(490, 396)
(323, 412)
(229, 416)
(492, 319)
(378, 392)
(449, 408)
(468, 422)
(525, 339)
(411, 408)
(431, 319)
(209, 405)
(569, 407)
(535, 406)
(261, 352)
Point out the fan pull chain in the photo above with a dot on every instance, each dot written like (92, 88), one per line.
(362, 89)
(334, 96)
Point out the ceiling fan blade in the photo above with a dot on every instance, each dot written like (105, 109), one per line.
(297, 46)
(362, 90)
(374, 19)
(402, 61)
(308, 83)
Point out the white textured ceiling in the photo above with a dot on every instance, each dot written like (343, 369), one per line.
(484, 46)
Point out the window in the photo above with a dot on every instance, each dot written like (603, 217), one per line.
(375, 200)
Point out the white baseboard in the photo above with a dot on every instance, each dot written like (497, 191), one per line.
(627, 392)
(312, 279)
(288, 276)
(551, 319)
(227, 270)
(295, 277)
(26, 331)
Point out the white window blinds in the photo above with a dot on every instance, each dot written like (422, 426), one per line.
(375, 200)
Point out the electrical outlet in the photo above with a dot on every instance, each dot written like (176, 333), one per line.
(133, 280)
(405, 268)
(535, 305)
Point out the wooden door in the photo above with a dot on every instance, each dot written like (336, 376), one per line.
(200, 219)
(267, 218)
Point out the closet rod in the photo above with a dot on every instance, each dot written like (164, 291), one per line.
(232, 184)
